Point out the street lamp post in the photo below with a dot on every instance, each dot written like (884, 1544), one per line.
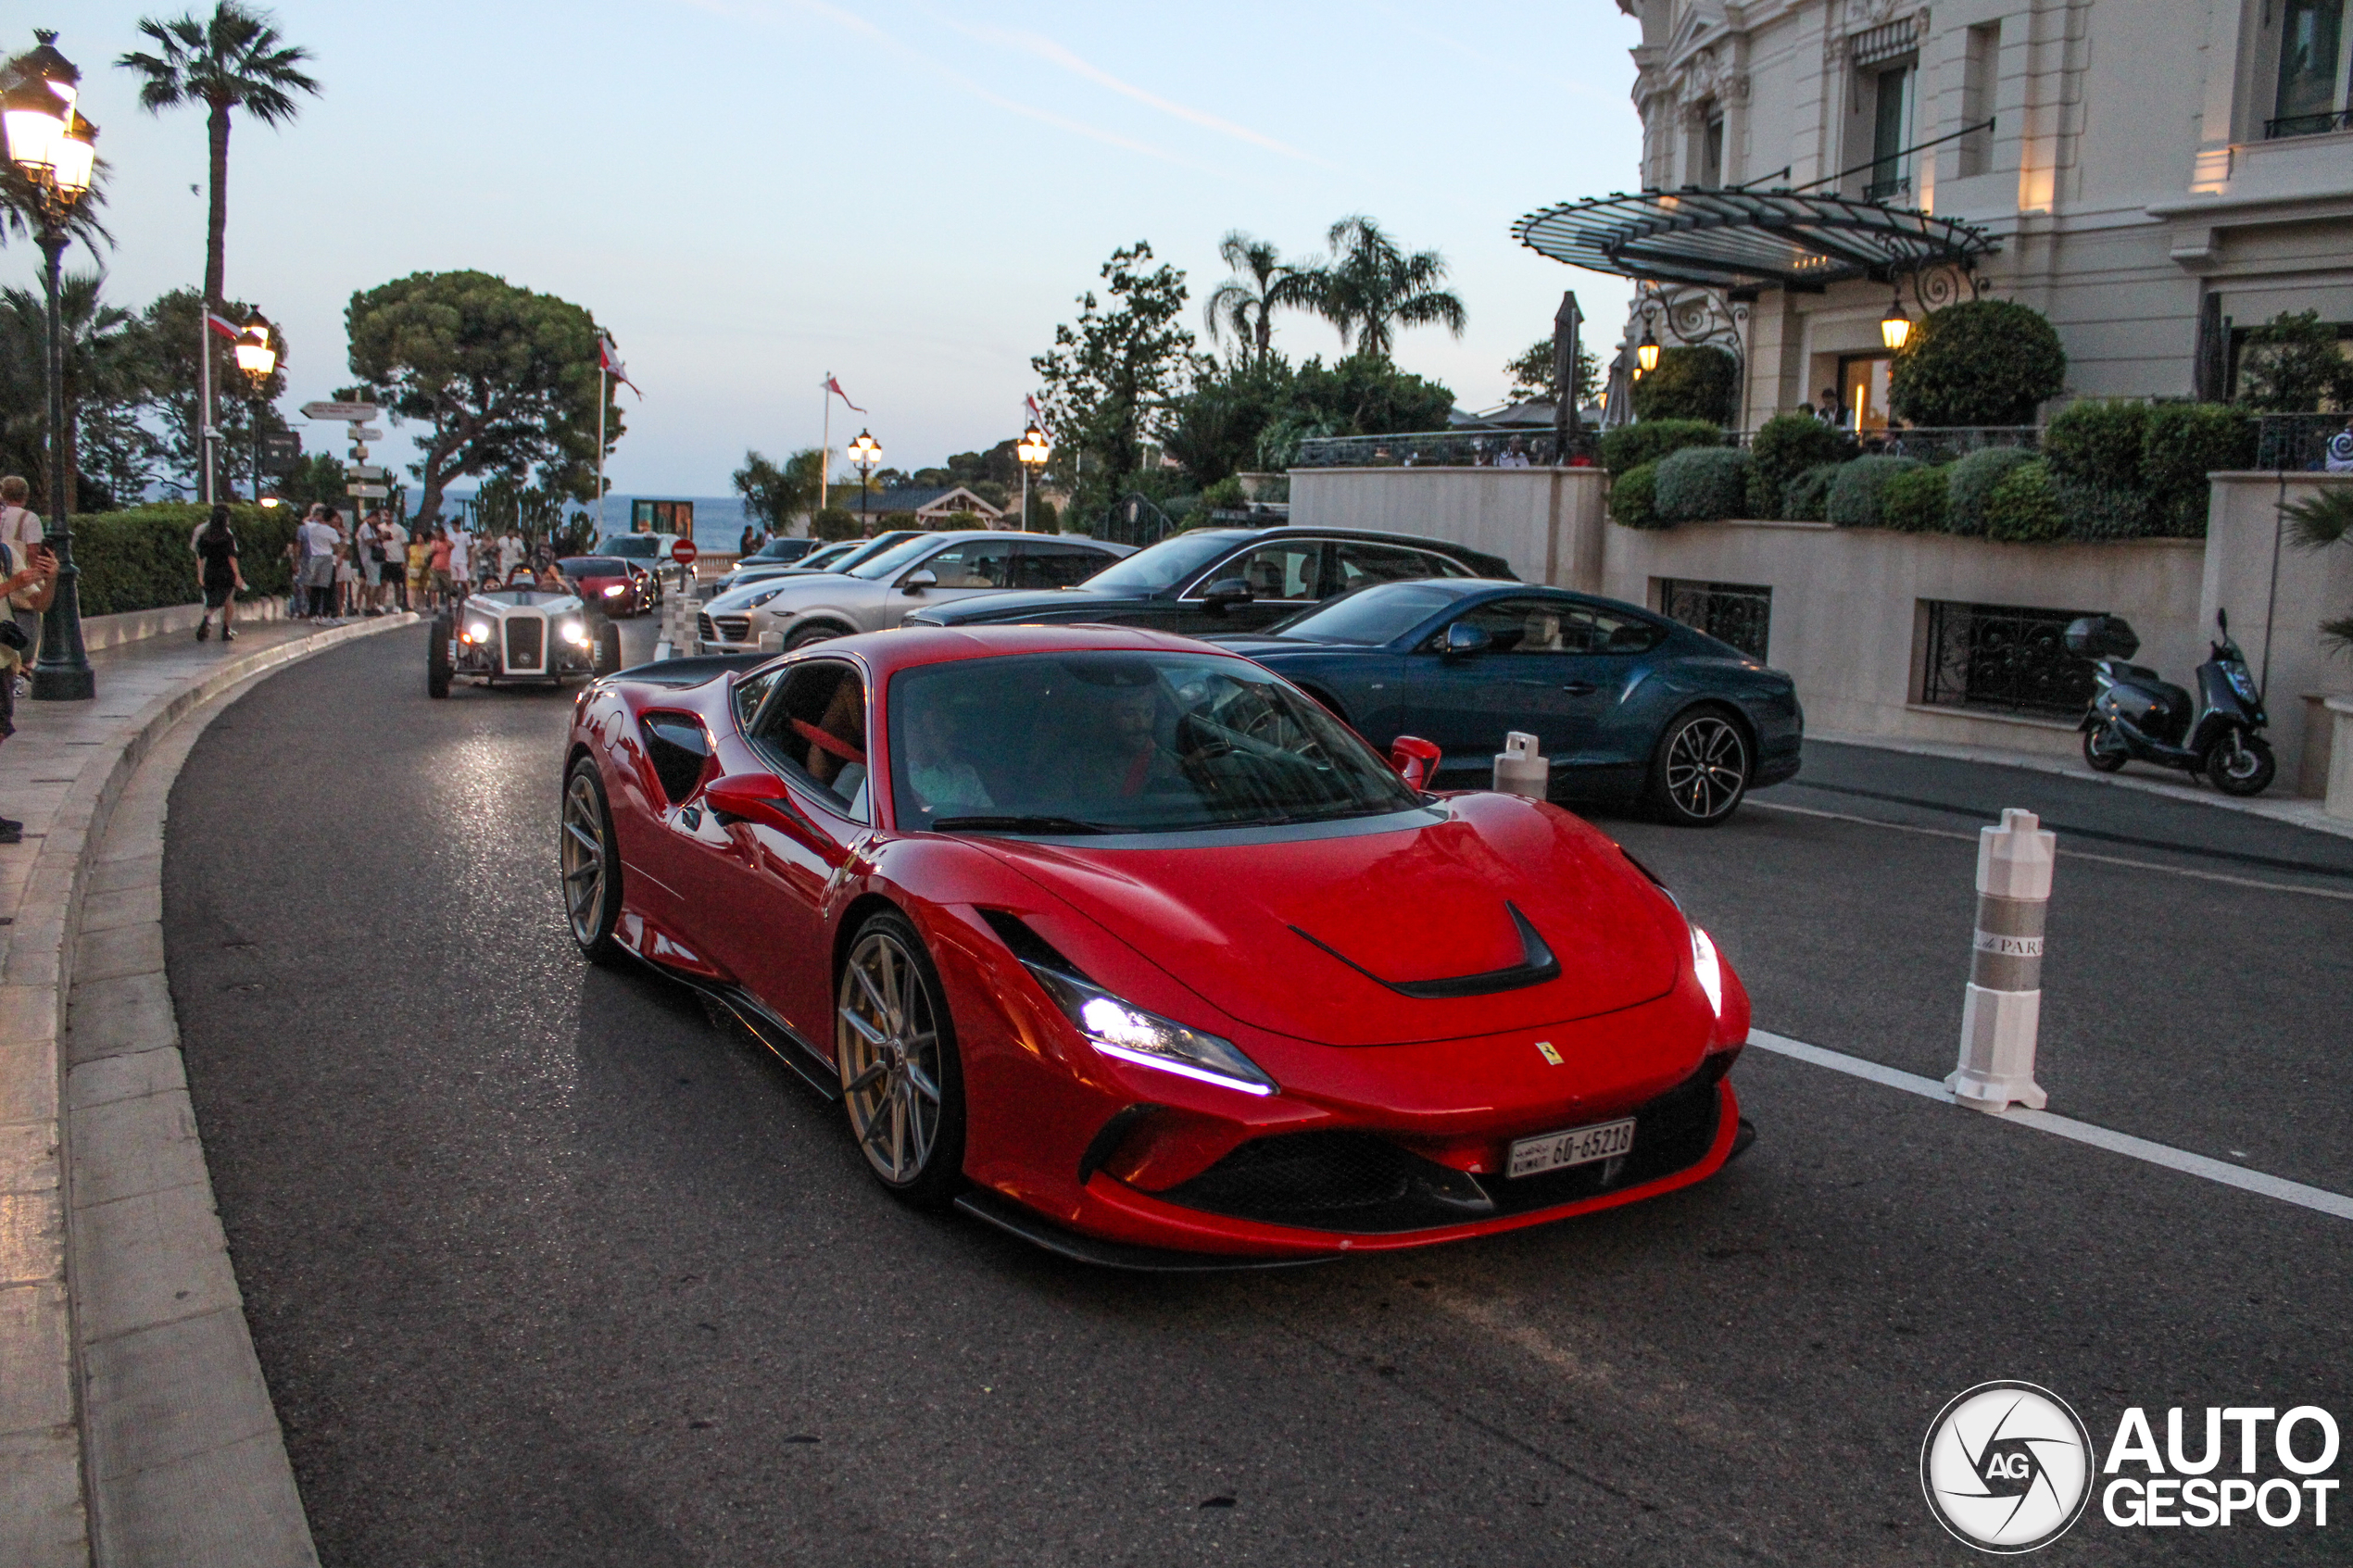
(54, 148)
(863, 455)
(1032, 450)
(256, 358)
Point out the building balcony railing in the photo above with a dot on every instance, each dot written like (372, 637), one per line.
(2308, 124)
(1443, 448)
(2297, 443)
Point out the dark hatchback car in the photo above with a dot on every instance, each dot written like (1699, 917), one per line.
(1629, 705)
(1213, 580)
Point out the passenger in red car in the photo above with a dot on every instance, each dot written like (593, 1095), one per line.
(839, 739)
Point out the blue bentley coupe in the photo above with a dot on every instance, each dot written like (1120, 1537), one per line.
(1631, 707)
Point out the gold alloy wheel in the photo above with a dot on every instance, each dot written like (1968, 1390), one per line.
(886, 1040)
(583, 857)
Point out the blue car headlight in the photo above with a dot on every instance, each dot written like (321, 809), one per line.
(1127, 1033)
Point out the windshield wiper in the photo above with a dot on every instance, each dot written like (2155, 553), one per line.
(1018, 824)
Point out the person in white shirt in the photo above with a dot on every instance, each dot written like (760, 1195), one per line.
(461, 561)
(20, 529)
(322, 542)
(395, 538)
(510, 553)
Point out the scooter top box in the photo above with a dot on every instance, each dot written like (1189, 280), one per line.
(2102, 636)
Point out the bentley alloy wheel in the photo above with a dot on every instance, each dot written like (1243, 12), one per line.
(897, 1053)
(1701, 771)
(591, 869)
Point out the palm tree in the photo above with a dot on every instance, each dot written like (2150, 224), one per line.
(102, 375)
(1371, 288)
(1248, 309)
(235, 60)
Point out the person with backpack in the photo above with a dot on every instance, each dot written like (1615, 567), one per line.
(32, 579)
(19, 530)
(217, 575)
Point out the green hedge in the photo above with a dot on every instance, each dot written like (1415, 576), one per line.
(1806, 498)
(1973, 479)
(2024, 507)
(1690, 383)
(139, 558)
(1914, 501)
(2185, 442)
(1646, 441)
(1859, 492)
(1703, 484)
(1634, 497)
(1783, 447)
(2131, 470)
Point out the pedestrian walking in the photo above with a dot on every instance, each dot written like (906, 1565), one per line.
(20, 529)
(396, 542)
(437, 561)
(461, 549)
(30, 583)
(420, 570)
(320, 540)
(217, 575)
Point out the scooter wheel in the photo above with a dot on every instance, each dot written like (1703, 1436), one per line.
(2103, 751)
(2241, 765)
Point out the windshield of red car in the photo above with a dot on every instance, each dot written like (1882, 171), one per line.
(1116, 742)
(593, 566)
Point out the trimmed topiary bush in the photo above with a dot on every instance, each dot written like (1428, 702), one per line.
(2098, 442)
(1973, 481)
(1646, 441)
(1690, 383)
(1634, 497)
(1783, 447)
(1980, 362)
(2024, 507)
(1807, 498)
(1703, 484)
(1914, 502)
(1858, 494)
(834, 524)
(2183, 442)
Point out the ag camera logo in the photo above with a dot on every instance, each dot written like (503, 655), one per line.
(2006, 1467)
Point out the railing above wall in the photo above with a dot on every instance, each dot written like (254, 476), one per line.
(2297, 443)
(1443, 448)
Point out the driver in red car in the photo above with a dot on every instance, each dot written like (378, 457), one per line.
(1127, 758)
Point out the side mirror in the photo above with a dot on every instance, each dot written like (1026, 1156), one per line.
(1415, 759)
(1464, 641)
(916, 581)
(1225, 591)
(750, 797)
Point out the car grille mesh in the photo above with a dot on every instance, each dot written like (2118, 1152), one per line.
(526, 643)
(725, 629)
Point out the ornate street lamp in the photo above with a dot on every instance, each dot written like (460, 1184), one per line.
(257, 356)
(55, 150)
(1646, 353)
(1033, 450)
(863, 455)
(1896, 328)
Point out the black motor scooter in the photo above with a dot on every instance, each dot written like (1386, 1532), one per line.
(2138, 716)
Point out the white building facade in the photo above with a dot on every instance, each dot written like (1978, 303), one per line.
(2156, 176)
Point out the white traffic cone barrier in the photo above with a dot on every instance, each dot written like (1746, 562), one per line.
(2005, 1003)
(1521, 770)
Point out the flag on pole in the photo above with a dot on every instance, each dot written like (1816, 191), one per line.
(222, 326)
(1029, 405)
(608, 361)
(834, 387)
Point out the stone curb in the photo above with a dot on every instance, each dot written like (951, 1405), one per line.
(41, 1364)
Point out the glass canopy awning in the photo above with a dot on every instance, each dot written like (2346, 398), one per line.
(1734, 239)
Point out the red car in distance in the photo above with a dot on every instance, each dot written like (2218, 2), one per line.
(1125, 945)
(621, 588)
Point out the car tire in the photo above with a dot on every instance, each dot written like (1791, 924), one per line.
(2103, 751)
(590, 864)
(1700, 770)
(2243, 769)
(437, 666)
(902, 1082)
(808, 634)
(608, 648)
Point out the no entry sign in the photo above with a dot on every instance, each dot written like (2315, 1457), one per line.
(683, 552)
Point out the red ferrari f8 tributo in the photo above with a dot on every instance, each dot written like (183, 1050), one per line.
(1125, 945)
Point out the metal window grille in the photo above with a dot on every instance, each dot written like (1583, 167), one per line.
(1738, 613)
(2010, 658)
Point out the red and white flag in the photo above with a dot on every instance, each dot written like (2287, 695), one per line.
(223, 326)
(608, 361)
(1029, 405)
(834, 387)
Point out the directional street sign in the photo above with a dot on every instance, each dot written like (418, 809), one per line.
(365, 470)
(376, 491)
(359, 452)
(338, 410)
(366, 433)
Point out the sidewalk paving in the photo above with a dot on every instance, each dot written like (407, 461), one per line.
(63, 916)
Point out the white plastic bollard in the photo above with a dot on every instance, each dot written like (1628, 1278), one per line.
(772, 642)
(2005, 1004)
(1520, 769)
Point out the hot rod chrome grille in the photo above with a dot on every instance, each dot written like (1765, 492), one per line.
(526, 643)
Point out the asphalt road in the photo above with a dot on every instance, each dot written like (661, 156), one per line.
(544, 1269)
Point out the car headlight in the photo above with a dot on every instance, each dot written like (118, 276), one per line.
(1123, 1031)
(575, 633)
(758, 600)
(478, 632)
(614, 590)
(1709, 968)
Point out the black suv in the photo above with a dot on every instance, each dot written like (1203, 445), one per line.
(1225, 579)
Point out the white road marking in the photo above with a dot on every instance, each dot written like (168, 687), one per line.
(2173, 1158)
(2071, 854)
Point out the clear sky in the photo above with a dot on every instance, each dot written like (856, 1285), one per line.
(749, 194)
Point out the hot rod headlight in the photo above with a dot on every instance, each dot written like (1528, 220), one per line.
(1128, 1032)
(576, 633)
(479, 632)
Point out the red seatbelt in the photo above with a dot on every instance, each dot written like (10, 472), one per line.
(826, 741)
